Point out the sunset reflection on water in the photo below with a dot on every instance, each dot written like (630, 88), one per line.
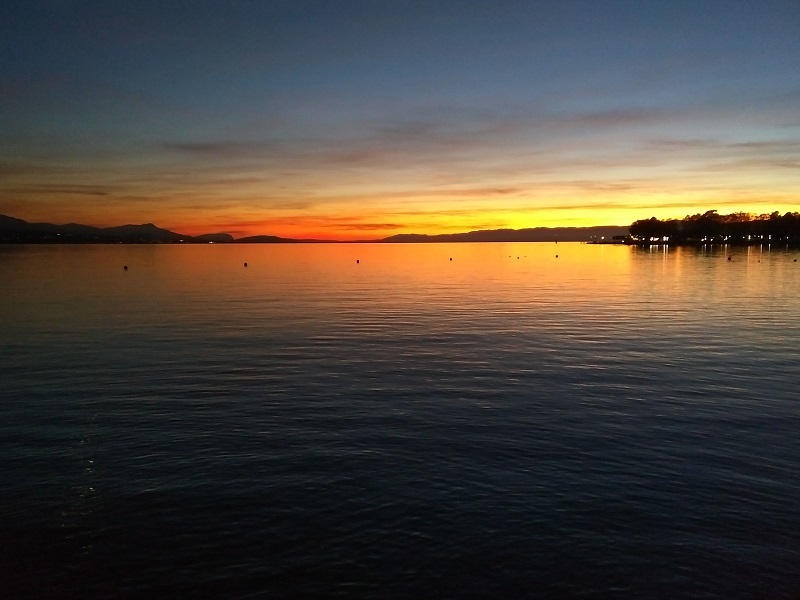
(376, 409)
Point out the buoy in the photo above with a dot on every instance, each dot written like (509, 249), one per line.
(245, 264)
(556, 255)
(451, 260)
(125, 267)
(729, 258)
(357, 261)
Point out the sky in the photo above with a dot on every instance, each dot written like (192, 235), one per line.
(360, 119)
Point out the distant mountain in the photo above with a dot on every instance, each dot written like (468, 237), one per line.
(536, 234)
(14, 230)
(266, 239)
(144, 233)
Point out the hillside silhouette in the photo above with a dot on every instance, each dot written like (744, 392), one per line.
(13, 230)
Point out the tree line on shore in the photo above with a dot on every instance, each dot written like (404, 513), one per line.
(712, 227)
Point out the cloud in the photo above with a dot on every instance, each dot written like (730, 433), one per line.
(12, 169)
(790, 145)
(223, 149)
(318, 222)
(717, 156)
(367, 226)
(459, 142)
(753, 164)
(616, 117)
(57, 189)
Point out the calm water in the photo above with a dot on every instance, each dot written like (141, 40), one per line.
(608, 423)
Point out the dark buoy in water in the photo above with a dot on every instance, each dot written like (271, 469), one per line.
(125, 268)
(245, 264)
(357, 261)
(451, 260)
(795, 260)
(556, 255)
(730, 258)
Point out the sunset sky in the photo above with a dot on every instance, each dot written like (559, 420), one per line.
(345, 119)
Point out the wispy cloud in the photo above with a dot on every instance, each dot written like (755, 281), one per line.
(221, 150)
(55, 189)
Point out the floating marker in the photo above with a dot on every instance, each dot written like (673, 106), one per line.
(357, 261)
(125, 267)
(730, 258)
(245, 264)
(451, 260)
(556, 255)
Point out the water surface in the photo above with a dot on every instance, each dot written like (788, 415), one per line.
(393, 421)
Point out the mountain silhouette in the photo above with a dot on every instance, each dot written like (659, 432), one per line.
(13, 230)
(535, 234)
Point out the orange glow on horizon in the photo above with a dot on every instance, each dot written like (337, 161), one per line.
(351, 219)
(379, 226)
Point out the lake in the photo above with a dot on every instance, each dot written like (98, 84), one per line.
(498, 420)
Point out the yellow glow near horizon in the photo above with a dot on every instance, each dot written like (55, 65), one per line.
(349, 226)
(374, 209)
(376, 220)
